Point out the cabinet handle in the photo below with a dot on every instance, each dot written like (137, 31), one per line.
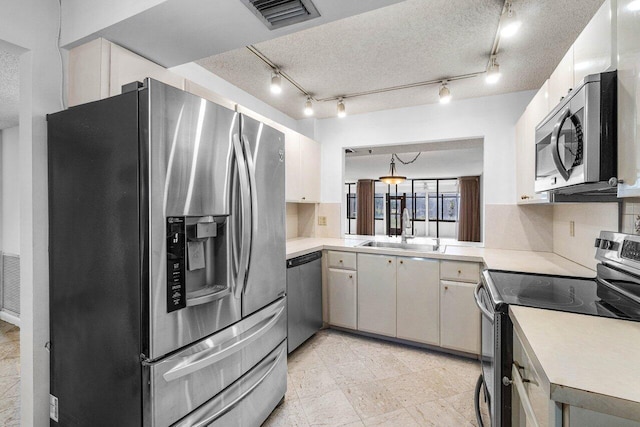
(304, 198)
(350, 276)
(401, 262)
(446, 288)
(459, 272)
(340, 261)
(389, 261)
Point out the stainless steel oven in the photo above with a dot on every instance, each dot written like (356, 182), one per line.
(576, 144)
(496, 357)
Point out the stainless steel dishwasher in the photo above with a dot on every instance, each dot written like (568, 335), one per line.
(304, 298)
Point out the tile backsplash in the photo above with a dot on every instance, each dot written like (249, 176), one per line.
(631, 216)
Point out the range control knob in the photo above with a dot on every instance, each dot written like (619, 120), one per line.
(607, 244)
(597, 244)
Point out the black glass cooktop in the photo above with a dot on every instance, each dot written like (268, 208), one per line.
(584, 296)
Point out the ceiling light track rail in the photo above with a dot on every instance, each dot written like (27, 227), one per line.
(277, 69)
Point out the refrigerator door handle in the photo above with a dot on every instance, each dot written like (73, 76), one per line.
(207, 413)
(216, 353)
(251, 168)
(245, 203)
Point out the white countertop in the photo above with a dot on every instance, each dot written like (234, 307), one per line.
(497, 259)
(590, 362)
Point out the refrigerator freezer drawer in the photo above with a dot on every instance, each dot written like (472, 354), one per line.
(250, 400)
(185, 380)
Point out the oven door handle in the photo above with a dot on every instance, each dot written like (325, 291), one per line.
(483, 309)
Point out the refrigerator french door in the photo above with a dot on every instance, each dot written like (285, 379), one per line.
(166, 216)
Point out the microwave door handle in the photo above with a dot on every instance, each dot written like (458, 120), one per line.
(251, 169)
(245, 205)
(555, 136)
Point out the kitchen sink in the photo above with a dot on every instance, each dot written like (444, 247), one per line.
(405, 246)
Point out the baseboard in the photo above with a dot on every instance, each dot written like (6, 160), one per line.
(10, 318)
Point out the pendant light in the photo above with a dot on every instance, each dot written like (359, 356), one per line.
(276, 83)
(342, 111)
(493, 71)
(308, 107)
(392, 178)
(510, 22)
(444, 93)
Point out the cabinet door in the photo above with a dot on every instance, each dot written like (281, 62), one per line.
(628, 99)
(343, 298)
(127, 67)
(536, 111)
(292, 166)
(592, 50)
(561, 79)
(459, 317)
(418, 288)
(377, 294)
(310, 169)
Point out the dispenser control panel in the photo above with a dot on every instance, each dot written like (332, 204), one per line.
(176, 263)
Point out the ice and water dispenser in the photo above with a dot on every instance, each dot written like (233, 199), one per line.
(196, 260)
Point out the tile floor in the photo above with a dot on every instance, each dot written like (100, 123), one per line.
(9, 375)
(342, 379)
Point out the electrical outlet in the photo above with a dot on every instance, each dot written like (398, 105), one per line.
(53, 408)
(322, 220)
(572, 228)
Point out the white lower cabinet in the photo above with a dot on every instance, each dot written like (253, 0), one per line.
(377, 294)
(343, 298)
(418, 289)
(459, 317)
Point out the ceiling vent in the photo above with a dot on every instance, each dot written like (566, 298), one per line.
(280, 13)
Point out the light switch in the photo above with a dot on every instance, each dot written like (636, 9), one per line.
(322, 220)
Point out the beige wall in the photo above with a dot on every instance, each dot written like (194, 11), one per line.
(589, 219)
(526, 228)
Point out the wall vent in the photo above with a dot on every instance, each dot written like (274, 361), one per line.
(10, 284)
(280, 13)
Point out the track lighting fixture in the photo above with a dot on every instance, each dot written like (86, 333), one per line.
(308, 107)
(276, 83)
(493, 71)
(444, 93)
(342, 111)
(510, 22)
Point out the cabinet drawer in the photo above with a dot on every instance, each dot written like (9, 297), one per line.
(345, 260)
(460, 271)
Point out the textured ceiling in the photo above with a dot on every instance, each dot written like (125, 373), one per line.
(9, 89)
(412, 41)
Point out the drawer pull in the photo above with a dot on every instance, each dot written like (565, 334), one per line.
(459, 272)
(389, 261)
(350, 276)
(401, 262)
(446, 288)
(340, 261)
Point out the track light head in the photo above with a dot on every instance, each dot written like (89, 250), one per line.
(510, 23)
(308, 107)
(444, 93)
(342, 111)
(493, 71)
(276, 83)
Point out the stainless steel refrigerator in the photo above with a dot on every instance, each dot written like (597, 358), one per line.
(167, 273)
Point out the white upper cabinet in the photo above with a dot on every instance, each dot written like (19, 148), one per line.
(99, 69)
(593, 50)
(302, 168)
(561, 80)
(628, 42)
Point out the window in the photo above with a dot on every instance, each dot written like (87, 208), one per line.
(443, 207)
(378, 206)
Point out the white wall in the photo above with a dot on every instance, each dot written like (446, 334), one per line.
(10, 191)
(491, 117)
(32, 26)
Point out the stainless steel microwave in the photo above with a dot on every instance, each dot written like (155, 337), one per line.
(576, 144)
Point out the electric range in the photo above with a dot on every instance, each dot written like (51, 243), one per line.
(614, 292)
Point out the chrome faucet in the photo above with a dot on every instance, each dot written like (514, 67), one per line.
(406, 227)
(436, 247)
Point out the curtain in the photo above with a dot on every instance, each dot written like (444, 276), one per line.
(365, 222)
(469, 218)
